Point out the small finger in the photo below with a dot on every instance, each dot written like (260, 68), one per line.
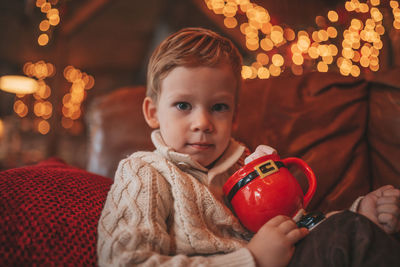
(287, 226)
(388, 221)
(388, 200)
(390, 208)
(297, 234)
(277, 220)
(393, 192)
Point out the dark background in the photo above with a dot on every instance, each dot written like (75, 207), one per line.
(112, 40)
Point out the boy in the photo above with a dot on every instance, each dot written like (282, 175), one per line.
(167, 207)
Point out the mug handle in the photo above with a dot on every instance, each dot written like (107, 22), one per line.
(312, 181)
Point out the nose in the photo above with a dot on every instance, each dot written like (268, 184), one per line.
(201, 121)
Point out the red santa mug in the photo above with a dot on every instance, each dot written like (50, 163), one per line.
(264, 188)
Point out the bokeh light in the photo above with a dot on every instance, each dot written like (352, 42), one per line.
(312, 48)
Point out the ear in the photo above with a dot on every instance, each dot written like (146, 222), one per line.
(150, 112)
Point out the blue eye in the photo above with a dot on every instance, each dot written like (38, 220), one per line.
(220, 107)
(183, 106)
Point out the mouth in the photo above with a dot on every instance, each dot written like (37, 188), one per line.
(200, 145)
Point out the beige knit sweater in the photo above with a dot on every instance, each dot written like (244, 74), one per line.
(164, 209)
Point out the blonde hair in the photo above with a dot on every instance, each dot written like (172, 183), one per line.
(191, 47)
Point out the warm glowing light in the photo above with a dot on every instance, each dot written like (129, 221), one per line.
(229, 10)
(39, 3)
(297, 69)
(45, 7)
(277, 60)
(364, 61)
(323, 35)
(277, 35)
(327, 59)
(243, 27)
(1, 129)
(333, 50)
(347, 53)
(374, 67)
(18, 84)
(289, 34)
(89, 83)
(38, 108)
(297, 59)
(313, 52)
(266, 44)
(380, 29)
(361, 43)
(375, 2)
(349, 6)
(52, 12)
(20, 108)
(303, 43)
(332, 32)
(51, 70)
(256, 65)
(323, 50)
(262, 58)
(252, 44)
(43, 39)
(230, 22)
(315, 37)
(333, 16)
(356, 56)
(320, 21)
(54, 20)
(373, 61)
(378, 44)
(364, 7)
(345, 67)
(356, 24)
(266, 28)
(44, 25)
(251, 32)
(376, 14)
(66, 122)
(355, 71)
(43, 127)
(322, 66)
(274, 70)
(263, 73)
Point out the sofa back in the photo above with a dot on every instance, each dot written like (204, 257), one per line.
(346, 129)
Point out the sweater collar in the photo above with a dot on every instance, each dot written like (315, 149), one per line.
(230, 156)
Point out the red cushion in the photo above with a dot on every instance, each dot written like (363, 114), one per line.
(49, 214)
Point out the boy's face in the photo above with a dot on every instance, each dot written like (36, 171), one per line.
(195, 111)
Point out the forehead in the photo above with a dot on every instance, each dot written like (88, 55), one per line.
(211, 81)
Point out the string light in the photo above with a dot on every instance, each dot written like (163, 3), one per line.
(52, 20)
(72, 101)
(359, 48)
(1, 129)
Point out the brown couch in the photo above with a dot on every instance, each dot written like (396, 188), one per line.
(347, 129)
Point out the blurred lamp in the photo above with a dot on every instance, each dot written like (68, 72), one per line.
(18, 84)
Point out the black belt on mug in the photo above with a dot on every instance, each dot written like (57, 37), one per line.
(264, 169)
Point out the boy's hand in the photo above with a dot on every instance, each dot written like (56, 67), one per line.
(273, 244)
(260, 151)
(382, 206)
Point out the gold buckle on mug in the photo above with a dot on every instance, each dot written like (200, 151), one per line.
(266, 168)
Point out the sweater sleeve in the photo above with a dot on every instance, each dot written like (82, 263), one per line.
(132, 229)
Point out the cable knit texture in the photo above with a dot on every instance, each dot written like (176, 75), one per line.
(165, 209)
